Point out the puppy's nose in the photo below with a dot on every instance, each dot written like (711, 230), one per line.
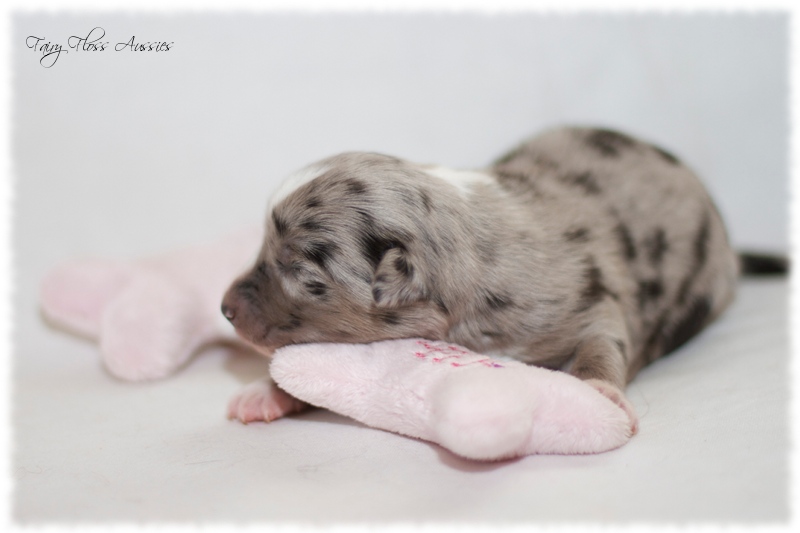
(228, 311)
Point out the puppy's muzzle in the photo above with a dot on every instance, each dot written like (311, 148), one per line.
(243, 308)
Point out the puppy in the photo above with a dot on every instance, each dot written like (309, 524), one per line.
(582, 249)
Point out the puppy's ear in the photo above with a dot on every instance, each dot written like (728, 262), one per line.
(396, 281)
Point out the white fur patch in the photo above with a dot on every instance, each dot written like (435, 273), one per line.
(464, 180)
(294, 182)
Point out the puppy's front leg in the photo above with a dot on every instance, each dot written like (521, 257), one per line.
(262, 400)
(601, 357)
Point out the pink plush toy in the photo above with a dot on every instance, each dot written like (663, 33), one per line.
(150, 316)
(473, 405)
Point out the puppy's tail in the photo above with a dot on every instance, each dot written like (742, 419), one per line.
(756, 264)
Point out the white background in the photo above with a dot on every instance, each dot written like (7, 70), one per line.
(126, 153)
(156, 149)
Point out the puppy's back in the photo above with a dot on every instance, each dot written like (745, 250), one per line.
(642, 215)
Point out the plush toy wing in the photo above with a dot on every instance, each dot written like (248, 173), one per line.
(150, 315)
(476, 406)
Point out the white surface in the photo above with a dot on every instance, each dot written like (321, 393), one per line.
(712, 446)
(120, 155)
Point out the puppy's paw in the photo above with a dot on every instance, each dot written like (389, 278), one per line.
(263, 401)
(618, 397)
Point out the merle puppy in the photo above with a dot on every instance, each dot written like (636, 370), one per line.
(582, 249)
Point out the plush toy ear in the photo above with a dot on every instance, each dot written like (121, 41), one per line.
(396, 281)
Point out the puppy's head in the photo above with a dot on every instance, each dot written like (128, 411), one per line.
(346, 258)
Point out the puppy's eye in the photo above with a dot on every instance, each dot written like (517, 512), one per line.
(316, 288)
(291, 268)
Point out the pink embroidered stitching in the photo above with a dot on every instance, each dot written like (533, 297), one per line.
(445, 352)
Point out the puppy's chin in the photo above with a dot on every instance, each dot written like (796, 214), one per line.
(265, 350)
(268, 344)
(262, 346)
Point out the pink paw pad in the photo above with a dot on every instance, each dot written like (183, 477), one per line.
(262, 401)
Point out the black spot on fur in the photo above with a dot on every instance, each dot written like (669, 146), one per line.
(355, 186)
(313, 202)
(577, 235)
(363, 275)
(649, 291)
(294, 323)
(280, 224)
(653, 346)
(320, 252)
(391, 318)
(700, 256)
(247, 285)
(316, 288)
(262, 268)
(585, 181)
(250, 291)
(520, 182)
(441, 305)
(701, 242)
(666, 156)
(403, 266)
(656, 246)
(374, 246)
(594, 289)
(367, 220)
(311, 224)
(289, 269)
(609, 143)
(377, 294)
(626, 239)
(683, 290)
(689, 325)
(497, 301)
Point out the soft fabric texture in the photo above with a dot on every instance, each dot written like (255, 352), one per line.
(150, 316)
(475, 406)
